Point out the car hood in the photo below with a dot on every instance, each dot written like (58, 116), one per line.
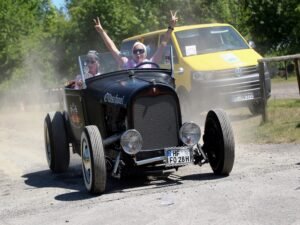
(119, 90)
(223, 60)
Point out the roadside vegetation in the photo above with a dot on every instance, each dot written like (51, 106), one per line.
(291, 79)
(283, 122)
(283, 125)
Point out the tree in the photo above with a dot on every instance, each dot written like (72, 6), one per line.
(26, 33)
(274, 25)
(35, 31)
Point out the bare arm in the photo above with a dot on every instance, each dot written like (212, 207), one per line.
(158, 54)
(109, 43)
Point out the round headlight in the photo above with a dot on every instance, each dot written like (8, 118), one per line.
(190, 133)
(198, 75)
(131, 141)
(202, 75)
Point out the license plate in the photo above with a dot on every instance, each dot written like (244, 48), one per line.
(178, 156)
(242, 97)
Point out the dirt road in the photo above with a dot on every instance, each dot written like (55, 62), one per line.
(285, 90)
(263, 188)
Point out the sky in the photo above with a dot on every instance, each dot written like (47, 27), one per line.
(58, 3)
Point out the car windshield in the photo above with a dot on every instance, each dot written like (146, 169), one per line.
(209, 40)
(164, 61)
(105, 60)
(108, 64)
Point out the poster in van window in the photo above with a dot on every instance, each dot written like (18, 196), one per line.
(190, 50)
(230, 58)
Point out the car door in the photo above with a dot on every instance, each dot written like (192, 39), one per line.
(74, 107)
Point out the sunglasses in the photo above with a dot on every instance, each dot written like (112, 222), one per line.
(90, 61)
(138, 51)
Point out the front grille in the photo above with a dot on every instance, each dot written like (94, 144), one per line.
(238, 86)
(236, 72)
(230, 82)
(156, 118)
(237, 80)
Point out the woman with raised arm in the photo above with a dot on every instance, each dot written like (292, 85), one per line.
(139, 52)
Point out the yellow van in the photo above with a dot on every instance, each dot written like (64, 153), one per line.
(213, 65)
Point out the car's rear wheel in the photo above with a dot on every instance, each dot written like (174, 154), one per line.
(56, 144)
(219, 142)
(93, 160)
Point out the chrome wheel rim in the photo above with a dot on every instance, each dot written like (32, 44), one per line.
(48, 147)
(86, 164)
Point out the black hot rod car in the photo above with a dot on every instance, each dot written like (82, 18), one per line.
(128, 121)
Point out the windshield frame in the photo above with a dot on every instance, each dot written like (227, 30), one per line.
(108, 66)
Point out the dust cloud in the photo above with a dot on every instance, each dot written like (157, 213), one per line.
(242, 121)
(23, 108)
(27, 90)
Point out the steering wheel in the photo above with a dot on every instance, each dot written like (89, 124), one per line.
(145, 63)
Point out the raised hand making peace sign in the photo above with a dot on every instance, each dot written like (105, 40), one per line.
(173, 20)
(98, 25)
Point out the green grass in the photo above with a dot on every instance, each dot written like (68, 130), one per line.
(283, 125)
(277, 79)
(283, 122)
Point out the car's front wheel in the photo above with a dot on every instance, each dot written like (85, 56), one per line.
(56, 144)
(219, 142)
(93, 160)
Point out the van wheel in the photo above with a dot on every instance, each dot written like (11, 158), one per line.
(56, 144)
(219, 142)
(93, 160)
(255, 107)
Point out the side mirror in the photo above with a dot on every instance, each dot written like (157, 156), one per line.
(252, 44)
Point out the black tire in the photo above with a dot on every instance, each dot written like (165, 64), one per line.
(56, 144)
(67, 125)
(255, 108)
(219, 142)
(93, 160)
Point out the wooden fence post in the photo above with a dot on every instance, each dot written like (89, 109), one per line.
(296, 61)
(285, 70)
(262, 89)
